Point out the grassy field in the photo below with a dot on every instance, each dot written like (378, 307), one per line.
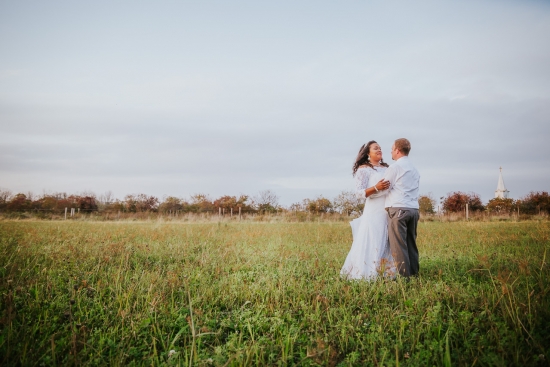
(236, 294)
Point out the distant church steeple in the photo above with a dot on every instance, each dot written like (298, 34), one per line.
(501, 192)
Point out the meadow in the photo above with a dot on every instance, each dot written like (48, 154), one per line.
(254, 294)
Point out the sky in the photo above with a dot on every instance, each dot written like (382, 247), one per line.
(228, 98)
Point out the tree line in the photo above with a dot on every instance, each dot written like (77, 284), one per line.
(264, 202)
(455, 202)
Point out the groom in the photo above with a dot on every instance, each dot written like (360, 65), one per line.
(402, 207)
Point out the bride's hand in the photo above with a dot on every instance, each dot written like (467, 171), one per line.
(382, 185)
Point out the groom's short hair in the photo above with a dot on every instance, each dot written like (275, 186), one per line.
(403, 145)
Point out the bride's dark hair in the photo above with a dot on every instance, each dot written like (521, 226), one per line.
(363, 157)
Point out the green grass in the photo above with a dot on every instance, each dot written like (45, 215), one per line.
(239, 294)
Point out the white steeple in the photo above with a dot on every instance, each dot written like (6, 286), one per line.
(501, 192)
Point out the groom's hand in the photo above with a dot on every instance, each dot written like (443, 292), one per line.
(383, 185)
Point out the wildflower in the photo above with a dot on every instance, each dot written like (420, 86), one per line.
(171, 353)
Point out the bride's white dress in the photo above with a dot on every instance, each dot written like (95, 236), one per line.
(370, 254)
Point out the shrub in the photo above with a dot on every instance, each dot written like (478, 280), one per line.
(426, 204)
(456, 202)
(503, 206)
(535, 203)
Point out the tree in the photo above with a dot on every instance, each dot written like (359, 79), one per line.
(86, 203)
(201, 203)
(171, 204)
(500, 205)
(140, 203)
(266, 201)
(19, 203)
(227, 203)
(117, 206)
(5, 197)
(319, 205)
(426, 204)
(456, 202)
(347, 202)
(130, 203)
(105, 201)
(146, 203)
(47, 202)
(296, 207)
(245, 203)
(535, 203)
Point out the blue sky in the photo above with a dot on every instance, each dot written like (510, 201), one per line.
(177, 98)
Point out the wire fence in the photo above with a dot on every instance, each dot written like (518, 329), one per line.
(235, 216)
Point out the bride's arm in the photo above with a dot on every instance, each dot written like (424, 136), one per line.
(362, 190)
(380, 189)
(361, 182)
(389, 179)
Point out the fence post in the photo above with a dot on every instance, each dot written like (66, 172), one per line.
(65, 213)
(220, 212)
(466, 211)
(239, 213)
(231, 212)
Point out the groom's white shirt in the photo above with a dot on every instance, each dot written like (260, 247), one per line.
(404, 183)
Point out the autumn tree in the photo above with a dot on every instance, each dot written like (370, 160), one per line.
(116, 206)
(347, 202)
(64, 200)
(19, 203)
(86, 203)
(201, 203)
(140, 203)
(47, 202)
(171, 204)
(227, 203)
(318, 205)
(426, 204)
(501, 205)
(146, 203)
(456, 202)
(535, 203)
(296, 207)
(5, 197)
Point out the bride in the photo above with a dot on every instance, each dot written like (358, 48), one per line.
(370, 254)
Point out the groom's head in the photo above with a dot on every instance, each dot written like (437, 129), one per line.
(400, 148)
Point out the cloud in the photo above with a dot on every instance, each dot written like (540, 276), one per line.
(272, 96)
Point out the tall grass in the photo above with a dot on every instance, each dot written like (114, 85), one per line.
(281, 216)
(234, 294)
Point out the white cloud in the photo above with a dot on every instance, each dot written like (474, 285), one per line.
(176, 99)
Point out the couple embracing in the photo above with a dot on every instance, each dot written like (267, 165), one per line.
(384, 237)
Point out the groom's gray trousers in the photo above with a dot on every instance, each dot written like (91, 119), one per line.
(402, 225)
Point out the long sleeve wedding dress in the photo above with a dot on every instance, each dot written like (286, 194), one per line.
(370, 254)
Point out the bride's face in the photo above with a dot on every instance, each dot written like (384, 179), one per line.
(375, 152)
